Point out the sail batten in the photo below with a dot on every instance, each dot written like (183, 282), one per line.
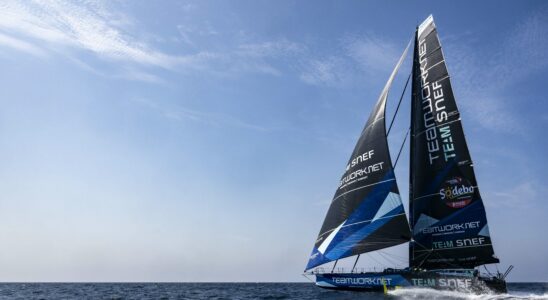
(447, 214)
(366, 212)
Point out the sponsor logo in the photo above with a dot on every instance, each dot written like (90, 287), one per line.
(376, 281)
(451, 228)
(458, 283)
(457, 192)
(460, 243)
(434, 112)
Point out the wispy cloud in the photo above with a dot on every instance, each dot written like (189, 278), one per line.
(81, 25)
(62, 26)
(20, 45)
(371, 52)
(358, 58)
(66, 26)
(329, 71)
(124, 72)
(210, 118)
(188, 33)
(77, 28)
(484, 79)
(523, 195)
(278, 48)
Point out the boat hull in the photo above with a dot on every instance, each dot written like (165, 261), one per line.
(379, 281)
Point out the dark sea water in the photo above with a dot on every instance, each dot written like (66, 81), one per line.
(238, 291)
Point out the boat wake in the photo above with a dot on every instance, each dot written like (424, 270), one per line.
(425, 293)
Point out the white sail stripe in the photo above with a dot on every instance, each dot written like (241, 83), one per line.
(361, 222)
(429, 55)
(438, 125)
(425, 196)
(435, 63)
(431, 32)
(375, 219)
(484, 245)
(444, 77)
(361, 187)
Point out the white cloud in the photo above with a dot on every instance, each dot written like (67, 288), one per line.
(20, 45)
(80, 25)
(65, 26)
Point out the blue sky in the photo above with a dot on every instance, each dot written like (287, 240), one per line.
(203, 141)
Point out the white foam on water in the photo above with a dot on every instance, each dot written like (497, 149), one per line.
(426, 293)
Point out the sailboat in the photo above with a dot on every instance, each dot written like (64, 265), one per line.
(447, 230)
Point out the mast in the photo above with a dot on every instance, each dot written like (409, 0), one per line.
(415, 86)
(366, 212)
(447, 214)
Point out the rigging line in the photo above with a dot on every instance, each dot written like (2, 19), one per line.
(370, 255)
(389, 260)
(393, 256)
(358, 257)
(399, 103)
(308, 278)
(395, 260)
(401, 148)
(399, 260)
(487, 270)
(334, 266)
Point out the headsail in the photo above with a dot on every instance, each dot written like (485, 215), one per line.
(366, 213)
(446, 210)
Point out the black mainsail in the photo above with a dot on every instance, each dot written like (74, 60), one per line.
(447, 214)
(366, 213)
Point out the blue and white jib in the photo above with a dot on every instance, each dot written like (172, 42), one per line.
(364, 221)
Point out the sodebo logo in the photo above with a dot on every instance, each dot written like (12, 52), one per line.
(457, 192)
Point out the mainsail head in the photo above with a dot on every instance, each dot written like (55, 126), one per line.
(446, 210)
(366, 213)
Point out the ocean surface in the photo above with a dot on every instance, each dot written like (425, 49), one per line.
(238, 291)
